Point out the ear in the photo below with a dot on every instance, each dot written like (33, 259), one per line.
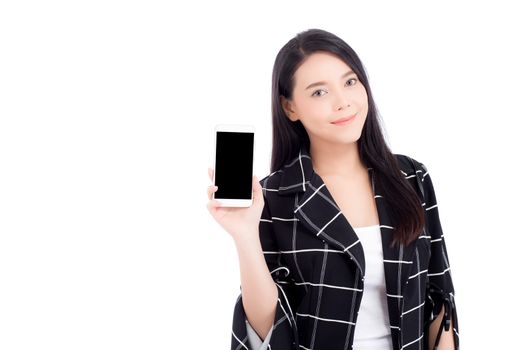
(288, 107)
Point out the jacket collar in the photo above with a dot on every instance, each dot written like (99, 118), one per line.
(317, 210)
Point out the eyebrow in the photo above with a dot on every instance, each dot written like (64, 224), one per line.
(324, 82)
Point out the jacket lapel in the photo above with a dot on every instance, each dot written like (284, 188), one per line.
(318, 212)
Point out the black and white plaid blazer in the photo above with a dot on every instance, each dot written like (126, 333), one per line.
(318, 265)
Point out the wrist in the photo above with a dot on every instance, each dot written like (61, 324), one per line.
(247, 239)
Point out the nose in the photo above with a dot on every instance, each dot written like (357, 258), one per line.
(341, 101)
(340, 106)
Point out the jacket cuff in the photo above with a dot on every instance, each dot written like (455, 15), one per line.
(284, 330)
(256, 343)
(438, 300)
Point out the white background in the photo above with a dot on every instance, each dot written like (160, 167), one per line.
(107, 111)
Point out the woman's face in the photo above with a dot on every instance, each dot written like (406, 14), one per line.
(338, 94)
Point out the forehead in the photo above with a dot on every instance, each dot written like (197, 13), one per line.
(320, 66)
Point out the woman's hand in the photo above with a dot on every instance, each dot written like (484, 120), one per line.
(240, 223)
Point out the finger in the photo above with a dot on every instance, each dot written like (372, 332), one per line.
(210, 173)
(211, 190)
(213, 205)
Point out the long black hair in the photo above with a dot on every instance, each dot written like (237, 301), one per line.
(288, 136)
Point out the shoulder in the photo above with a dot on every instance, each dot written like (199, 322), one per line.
(416, 169)
(272, 178)
(271, 182)
(409, 165)
(270, 189)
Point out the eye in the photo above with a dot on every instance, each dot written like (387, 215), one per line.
(354, 80)
(316, 91)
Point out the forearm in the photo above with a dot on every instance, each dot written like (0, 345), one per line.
(259, 292)
(446, 341)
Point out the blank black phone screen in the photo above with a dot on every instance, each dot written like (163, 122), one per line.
(234, 165)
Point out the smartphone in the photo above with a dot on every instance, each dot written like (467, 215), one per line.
(234, 152)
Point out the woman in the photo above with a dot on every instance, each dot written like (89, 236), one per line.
(342, 247)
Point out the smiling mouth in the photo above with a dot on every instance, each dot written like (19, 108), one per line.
(344, 120)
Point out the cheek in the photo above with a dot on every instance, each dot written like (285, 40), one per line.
(363, 98)
(315, 107)
(360, 99)
(321, 109)
(316, 113)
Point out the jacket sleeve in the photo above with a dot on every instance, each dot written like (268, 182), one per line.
(440, 289)
(284, 331)
(255, 341)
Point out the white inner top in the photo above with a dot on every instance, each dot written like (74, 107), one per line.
(372, 330)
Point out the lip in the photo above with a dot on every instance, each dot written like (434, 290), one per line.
(344, 120)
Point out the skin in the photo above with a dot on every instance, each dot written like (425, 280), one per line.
(333, 148)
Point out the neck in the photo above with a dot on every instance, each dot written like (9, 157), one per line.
(337, 160)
